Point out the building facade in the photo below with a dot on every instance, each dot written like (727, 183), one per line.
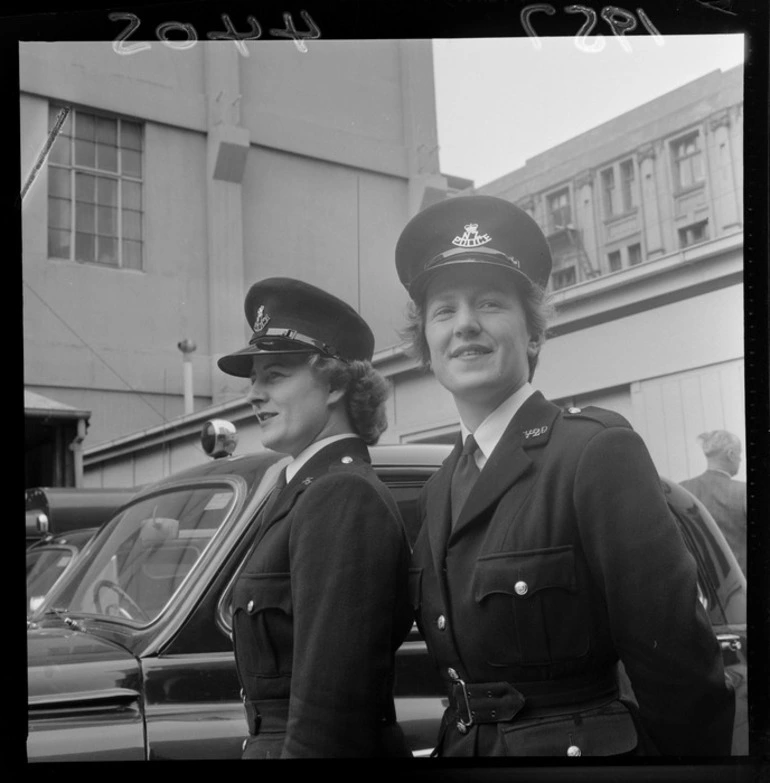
(180, 177)
(644, 218)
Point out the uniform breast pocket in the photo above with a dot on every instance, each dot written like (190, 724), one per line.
(262, 623)
(530, 607)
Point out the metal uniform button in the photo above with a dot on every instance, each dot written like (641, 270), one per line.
(521, 588)
(452, 673)
(441, 622)
(250, 606)
(574, 410)
(574, 750)
(346, 460)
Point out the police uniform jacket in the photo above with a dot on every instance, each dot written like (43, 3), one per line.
(565, 560)
(319, 610)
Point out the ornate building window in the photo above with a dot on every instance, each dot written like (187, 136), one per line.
(687, 159)
(559, 210)
(95, 209)
(691, 235)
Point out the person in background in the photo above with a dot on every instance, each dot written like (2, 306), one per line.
(321, 604)
(547, 552)
(720, 493)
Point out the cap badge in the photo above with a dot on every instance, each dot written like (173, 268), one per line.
(262, 320)
(471, 237)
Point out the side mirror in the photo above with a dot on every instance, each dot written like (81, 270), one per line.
(219, 438)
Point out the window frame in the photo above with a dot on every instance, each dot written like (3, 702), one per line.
(679, 159)
(563, 192)
(685, 231)
(80, 176)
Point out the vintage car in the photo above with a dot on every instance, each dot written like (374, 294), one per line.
(130, 656)
(60, 521)
(52, 511)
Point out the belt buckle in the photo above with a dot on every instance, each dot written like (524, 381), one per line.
(462, 724)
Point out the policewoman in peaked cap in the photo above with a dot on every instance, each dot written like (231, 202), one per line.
(547, 554)
(321, 604)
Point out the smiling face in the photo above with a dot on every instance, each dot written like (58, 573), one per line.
(294, 406)
(476, 330)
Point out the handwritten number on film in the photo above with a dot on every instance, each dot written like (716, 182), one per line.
(619, 20)
(162, 31)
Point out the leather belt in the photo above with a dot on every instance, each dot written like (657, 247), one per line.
(493, 702)
(268, 715)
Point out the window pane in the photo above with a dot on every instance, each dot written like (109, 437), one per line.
(107, 131)
(85, 217)
(58, 243)
(697, 168)
(132, 254)
(106, 191)
(85, 153)
(132, 224)
(58, 182)
(85, 187)
(59, 213)
(130, 135)
(106, 157)
(84, 247)
(107, 250)
(132, 163)
(61, 150)
(132, 195)
(107, 221)
(84, 126)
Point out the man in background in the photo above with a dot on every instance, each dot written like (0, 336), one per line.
(724, 497)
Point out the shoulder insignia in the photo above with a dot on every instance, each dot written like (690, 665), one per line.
(602, 416)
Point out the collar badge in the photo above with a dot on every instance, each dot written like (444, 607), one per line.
(535, 432)
(308, 481)
(471, 237)
(262, 320)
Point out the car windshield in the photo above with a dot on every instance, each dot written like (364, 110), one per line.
(44, 567)
(140, 561)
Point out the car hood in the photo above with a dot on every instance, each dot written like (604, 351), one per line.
(68, 665)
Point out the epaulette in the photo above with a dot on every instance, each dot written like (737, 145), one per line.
(349, 465)
(602, 416)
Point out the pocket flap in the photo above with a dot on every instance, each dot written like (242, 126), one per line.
(606, 731)
(257, 592)
(522, 574)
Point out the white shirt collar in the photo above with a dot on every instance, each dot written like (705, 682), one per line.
(293, 467)
(489, 432)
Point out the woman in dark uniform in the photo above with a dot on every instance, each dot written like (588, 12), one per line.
(321, 604)
(547, 552)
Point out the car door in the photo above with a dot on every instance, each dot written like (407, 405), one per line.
(722, 591)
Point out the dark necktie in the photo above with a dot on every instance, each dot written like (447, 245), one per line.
(464, 477)
(280, 485)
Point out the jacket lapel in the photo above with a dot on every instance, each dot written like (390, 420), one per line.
(317, 465)
(437, 506)
(509, 462)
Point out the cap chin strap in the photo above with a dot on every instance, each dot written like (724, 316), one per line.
(265, 338)
(482, 254)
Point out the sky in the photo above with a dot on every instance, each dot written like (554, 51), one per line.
(500, 101)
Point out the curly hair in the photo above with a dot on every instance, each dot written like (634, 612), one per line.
(537, 309)
(365, 393)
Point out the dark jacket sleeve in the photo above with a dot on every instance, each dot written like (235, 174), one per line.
(349, 565)
(648, 577)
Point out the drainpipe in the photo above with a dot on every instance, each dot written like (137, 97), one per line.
(76, 446)
(187, 347)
